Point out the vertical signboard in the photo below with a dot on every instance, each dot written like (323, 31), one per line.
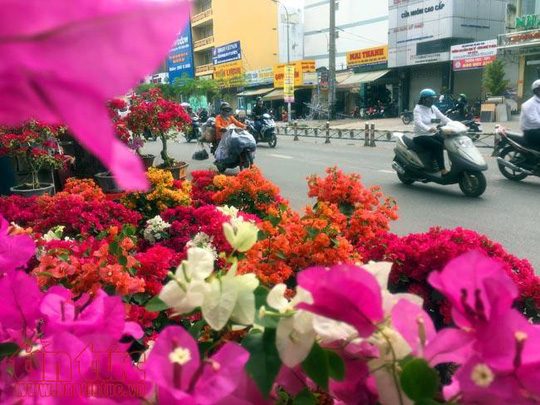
(180, 58)
(288, 84)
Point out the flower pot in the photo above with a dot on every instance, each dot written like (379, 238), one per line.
(105, 180)
(26, 191)
(178, 170)
(148, 160)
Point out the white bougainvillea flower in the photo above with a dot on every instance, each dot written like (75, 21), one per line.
(241, 236)
(294, 334)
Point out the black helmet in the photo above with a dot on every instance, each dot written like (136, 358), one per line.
(225, 107)
(259, 99)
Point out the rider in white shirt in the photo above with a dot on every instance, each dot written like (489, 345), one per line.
(426, 118)
(530, 118)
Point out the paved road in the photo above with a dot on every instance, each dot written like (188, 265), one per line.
(506, 213)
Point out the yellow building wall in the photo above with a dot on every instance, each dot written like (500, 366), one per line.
(254, 24)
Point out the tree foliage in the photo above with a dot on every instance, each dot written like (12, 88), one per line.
(494, 79)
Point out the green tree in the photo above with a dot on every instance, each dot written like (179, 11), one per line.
(193, 87)
(169, 91)
(494, 79)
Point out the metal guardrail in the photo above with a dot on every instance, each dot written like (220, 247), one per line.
(370, 135)
(201, 16)
(203, 42)
(201, 69)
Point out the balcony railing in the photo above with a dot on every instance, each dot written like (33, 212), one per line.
(204, 69)
(203, 42)
(201, 16)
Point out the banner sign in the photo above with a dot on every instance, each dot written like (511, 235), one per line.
(229, 74)
(473, 63)
(180, 58)
(259, 77)
(227, 53)
(288, 84)
(368, 57)
(474, 50)
(300, 67)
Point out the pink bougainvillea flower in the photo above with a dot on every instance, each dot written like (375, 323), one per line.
(103, 314)
(414, 324)
(181, 377)
(19, 311)
(60, 62)
(344, 293)
(15, 250)
(477, 287)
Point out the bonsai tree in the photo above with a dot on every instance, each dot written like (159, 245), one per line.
(35, 144)
(493, 78)
(163, 117)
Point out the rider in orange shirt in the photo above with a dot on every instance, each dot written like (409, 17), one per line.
(224, 119)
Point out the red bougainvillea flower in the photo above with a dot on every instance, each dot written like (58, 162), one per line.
(59, 63)
(344, 293)
(15, 250)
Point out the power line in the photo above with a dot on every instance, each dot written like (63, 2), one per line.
(361, 37)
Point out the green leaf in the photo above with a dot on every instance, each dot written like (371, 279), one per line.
(8, 349)
(264, 362)
(260, 299)
(204, 347)
(346, 209)
(114, 248)
(427, 401)
(305, 397)
(312, 232)
(122, 260)
(419, 381)
(336, 366)
(274, 220)
(280, 254)
(316, 366)
(139, 298)
(196, 329)
(156, 305)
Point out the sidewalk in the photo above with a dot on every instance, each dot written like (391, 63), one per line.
(393, 124)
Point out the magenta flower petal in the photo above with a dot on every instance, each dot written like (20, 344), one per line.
(450, 346)
(412, 322)
(173, 378)
(15, 250)
(344, 293)
(21, 299)
(477, 287)
(60, 63)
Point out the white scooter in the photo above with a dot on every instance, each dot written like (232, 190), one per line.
(414, 163)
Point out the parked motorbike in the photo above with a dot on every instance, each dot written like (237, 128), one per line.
(236, 149)
(267, 133)
(516, 159)
(194, 132)
(407, 117)
(414, 163)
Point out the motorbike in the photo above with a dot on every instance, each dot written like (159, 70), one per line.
(414, 163)
(516, 159)
(267, 133)
(195, 131)
(407, 117)
(236, 149)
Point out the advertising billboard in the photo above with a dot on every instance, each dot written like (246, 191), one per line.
(259, 77)
(377, 56)
(227, 53)
(180, 58)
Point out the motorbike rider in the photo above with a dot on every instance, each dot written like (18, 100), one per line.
(426, 118)
(224, 119)
(258, 111)
(530, 118)
(462, 105)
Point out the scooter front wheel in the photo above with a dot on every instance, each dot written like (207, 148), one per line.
(406, 119)
(273, 141)
(405, 179)
(473, 184)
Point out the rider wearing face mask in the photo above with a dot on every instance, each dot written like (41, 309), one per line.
(426, 118)
(530, 118)
(224, 119)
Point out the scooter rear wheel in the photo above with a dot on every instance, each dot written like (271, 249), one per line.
(406, 119)
(473, 184)
(510, 154)
(405, 179)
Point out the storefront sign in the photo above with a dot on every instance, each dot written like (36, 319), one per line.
(229, 74)
(473, 63)
(368, 57)
(310, 78)
(300, 67)
(288, 83)
(180, 58)
(527, 22)
(227, 53)
(422, 10)
(474, 50)
(259, 77)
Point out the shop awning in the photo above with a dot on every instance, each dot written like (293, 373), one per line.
(355, 79)
(276, 94)
(255, 92)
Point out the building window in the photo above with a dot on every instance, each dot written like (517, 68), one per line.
(205, 5)
(530, 7)
(206, 58)
(440, 45)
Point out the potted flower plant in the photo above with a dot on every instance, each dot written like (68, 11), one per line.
(35, 149)
(164, 118)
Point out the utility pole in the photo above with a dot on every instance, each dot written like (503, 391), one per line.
(332, 62)
(289, 107)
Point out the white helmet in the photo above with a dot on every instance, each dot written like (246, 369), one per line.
(536, 85)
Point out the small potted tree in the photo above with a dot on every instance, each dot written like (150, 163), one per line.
(163, 117)
(35, 149)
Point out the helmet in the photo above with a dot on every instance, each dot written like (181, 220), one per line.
(259, 99)
(225, 107)
(536, 85)
(427, 93)
(463, 95)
